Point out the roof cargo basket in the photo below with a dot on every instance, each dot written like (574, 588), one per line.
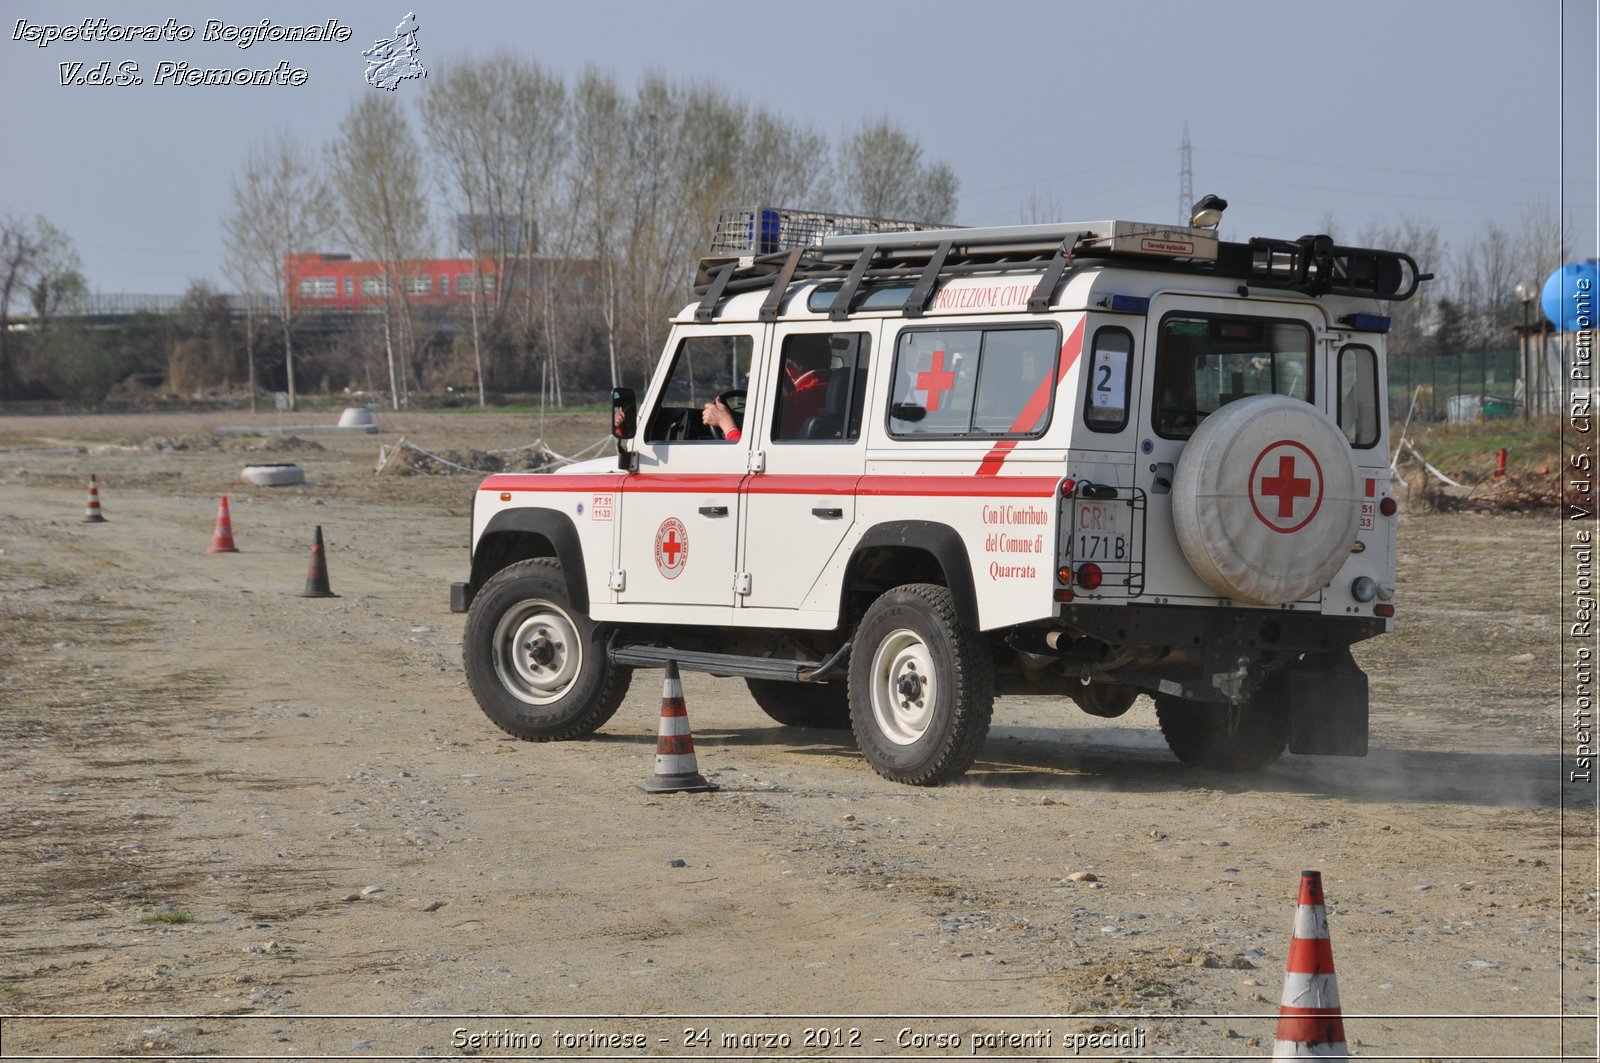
(768, 230)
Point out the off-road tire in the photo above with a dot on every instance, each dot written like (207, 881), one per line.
(910, 636)
(568, 695)
(825, 706)
(1197, 732)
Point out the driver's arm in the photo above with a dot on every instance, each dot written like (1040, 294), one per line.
(720, 417)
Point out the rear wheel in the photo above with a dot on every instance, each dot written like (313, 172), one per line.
(537, 666)
(921, 687)
(822, 705)
(1214, 735)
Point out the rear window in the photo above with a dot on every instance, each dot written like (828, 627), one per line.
(988, 382)
(1358, 396)
(1206, 361)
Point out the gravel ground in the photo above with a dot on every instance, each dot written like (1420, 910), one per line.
(244, 821)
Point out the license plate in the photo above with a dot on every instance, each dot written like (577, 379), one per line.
(1097, 534)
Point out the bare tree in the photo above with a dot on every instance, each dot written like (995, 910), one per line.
(19, 254)
(497, 128)
(1414, 323)
(39, 265)
(199, 341)
(56, 281)
(882, 175)
(685, 147)
(784, 164)
(281, 206)
(376, 167)
(253, 279)
(596, 189)
(1541, 242)
(1040, 209)
(1481, 276)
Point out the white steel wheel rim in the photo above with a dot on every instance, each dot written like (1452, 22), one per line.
(904, 689)
(537, 652)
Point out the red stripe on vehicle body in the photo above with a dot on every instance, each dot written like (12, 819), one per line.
(802, 484)
(682, 482)
(956, 486)
(780, 484)
(544, 481)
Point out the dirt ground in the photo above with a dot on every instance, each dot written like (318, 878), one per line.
(242, 821)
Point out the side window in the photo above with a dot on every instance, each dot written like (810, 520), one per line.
(1105, 405)
(1358, 396)
(820, 387)
(703, 368)
(1203, 362)
(974, 382)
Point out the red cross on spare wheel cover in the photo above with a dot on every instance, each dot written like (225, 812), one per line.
(672, 547)
(935, 380)
(1285, 484)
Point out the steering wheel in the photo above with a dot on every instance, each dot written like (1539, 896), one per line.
(733, 399)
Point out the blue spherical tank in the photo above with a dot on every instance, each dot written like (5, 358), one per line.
(1569, 296)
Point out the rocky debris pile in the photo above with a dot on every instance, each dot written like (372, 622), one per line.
(410, 460)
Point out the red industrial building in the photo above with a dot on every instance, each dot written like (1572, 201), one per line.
(341, 284)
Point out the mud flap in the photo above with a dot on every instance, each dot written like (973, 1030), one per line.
(1328, 706)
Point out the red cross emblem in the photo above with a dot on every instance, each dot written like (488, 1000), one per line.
(935, 380)
(1286, 486)
(672, 547)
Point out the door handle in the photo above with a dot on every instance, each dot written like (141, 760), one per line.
(827, 512)
(713, 511)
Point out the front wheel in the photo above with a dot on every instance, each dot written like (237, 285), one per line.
(537, 666)
(921, 687)
(1221, 737)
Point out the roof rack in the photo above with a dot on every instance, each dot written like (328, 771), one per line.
(767, 230)
(1313, 265)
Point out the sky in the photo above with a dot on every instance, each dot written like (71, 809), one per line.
(1363, 113)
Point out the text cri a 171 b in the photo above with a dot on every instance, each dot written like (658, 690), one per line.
(1015, 515)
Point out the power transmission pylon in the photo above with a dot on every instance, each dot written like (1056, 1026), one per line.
(1185, 179)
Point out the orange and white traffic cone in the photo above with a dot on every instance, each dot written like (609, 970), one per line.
(676, 771)
(222, 538)
(1310, 1023)
(91, 513)
(317, 574)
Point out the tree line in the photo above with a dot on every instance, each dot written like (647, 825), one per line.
(617, 190)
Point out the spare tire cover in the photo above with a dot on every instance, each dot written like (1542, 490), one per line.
(1264, 500)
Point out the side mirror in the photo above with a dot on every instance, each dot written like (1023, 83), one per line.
(624, 413)
(624, 423)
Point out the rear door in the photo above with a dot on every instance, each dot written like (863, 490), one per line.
(798, 509)
(1203, 353)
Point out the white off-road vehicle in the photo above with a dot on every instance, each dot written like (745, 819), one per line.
(1088, 459)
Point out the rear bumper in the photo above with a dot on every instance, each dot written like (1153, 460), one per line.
(1220, 630)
